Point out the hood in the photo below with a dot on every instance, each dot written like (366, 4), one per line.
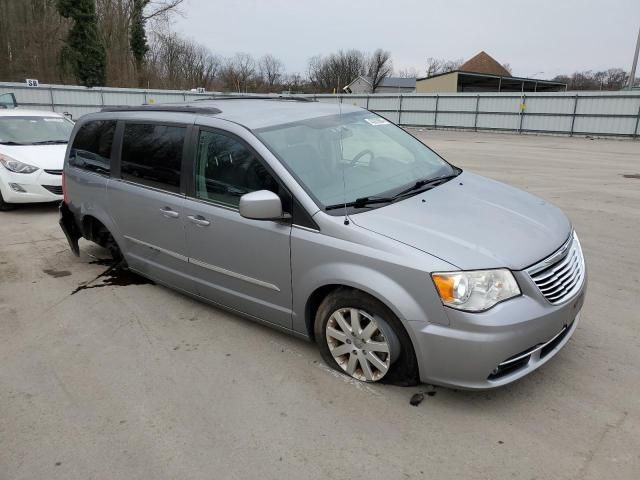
(473, 222)
(50, 157)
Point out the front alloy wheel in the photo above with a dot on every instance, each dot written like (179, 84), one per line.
(362, 345)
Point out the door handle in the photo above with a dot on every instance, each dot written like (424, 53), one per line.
(199, 220)
(167, 212)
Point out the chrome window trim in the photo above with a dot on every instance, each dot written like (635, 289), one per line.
(88, 172)
(212, 203)
(308, 229)
(148, 187)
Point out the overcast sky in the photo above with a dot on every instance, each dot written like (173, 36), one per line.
(550, 36)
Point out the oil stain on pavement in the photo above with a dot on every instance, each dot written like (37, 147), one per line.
(115, 275)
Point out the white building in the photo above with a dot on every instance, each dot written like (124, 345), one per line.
(388, 85)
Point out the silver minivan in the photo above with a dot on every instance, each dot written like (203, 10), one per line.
(330, 222)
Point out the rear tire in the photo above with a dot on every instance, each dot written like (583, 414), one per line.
(359, 336)
(99, 234)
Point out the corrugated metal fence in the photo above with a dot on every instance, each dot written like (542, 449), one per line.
(569, 113)
(79, 101)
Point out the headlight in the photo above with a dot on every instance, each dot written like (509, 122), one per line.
(475, 290)
(16, 166)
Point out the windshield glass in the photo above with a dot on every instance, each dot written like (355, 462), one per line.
(341, 158)
(34, 130)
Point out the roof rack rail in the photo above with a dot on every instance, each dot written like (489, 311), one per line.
(162, 108)
(256, 97)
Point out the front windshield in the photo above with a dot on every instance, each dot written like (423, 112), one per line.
(341, 158)
(31, 130)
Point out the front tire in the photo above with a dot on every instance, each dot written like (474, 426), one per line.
(359, 336)
(4, 206)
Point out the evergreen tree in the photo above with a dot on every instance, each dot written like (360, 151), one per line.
(84, 51)
(137, 36)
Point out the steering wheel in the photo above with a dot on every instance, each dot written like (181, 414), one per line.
(364, 152)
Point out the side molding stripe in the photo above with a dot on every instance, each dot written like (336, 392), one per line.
(207, 266)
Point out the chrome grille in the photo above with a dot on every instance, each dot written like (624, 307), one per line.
(54, 172)
(561, 275)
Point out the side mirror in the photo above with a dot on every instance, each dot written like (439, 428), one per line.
(262, 205)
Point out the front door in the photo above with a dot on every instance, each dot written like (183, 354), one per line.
(239, 263)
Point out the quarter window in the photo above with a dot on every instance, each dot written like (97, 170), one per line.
(91, 149)
(152, 155)
(226, 169)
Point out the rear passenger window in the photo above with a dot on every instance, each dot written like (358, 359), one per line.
(91, 148)
(152, 155)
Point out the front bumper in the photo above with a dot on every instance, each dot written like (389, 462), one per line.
(36, 187)
(496, 347)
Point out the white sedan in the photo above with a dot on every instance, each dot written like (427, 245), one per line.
(32, 149)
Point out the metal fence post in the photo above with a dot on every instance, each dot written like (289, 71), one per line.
(400, 110)
(573, 117)
(475, 120)
(523, 108)
(635, 131)
(102, 96)
(367, 107)
(435, 116)
(53, 104)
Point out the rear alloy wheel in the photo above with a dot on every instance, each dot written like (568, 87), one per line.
(361, 344)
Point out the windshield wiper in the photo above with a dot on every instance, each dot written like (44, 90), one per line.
(361, 202)
(417, 187)
(50, 142)
(11, 143)
(427, 182)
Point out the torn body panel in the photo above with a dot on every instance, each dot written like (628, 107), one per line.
(70, 228)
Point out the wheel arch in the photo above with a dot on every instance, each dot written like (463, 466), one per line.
(410, 369)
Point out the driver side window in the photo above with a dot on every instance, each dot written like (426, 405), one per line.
(226, 169)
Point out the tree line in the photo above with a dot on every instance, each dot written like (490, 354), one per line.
(130, 43)
(611, 79)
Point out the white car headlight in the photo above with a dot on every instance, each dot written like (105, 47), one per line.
(16, 166)
(475, 290)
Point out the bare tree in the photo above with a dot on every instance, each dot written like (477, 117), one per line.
(31, 38)
(294, 83)
(436, 66)
(271, 70)
(162, 8)
(611, 79)
(238, 71)
(410, 72)
(379, 68)
(333, 72)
